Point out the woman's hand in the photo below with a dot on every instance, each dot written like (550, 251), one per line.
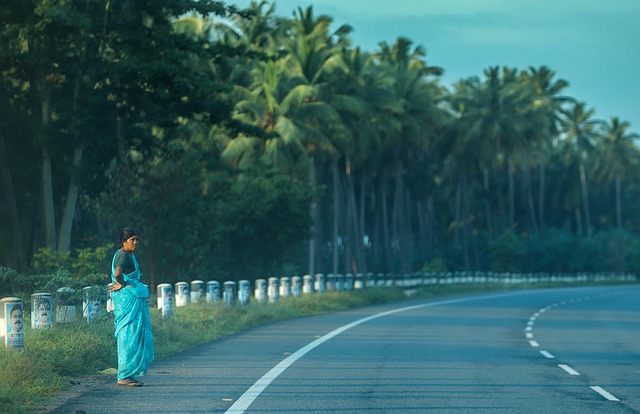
(115, 286)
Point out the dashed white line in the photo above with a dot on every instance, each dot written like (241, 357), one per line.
(529, 329)
(568, 369)
(547, 354)
(605, 393)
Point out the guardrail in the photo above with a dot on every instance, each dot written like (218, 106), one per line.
(267, 290)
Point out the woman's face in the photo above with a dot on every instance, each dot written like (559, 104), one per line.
(131, 244)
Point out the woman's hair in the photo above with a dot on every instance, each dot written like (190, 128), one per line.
(128, 232)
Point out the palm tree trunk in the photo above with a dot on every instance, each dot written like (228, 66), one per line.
(354, 228)
(431, 221)
(362, 220)
(510, 173)
(526, 174)
(400, 211)
(487, 201)
(385, 226)
(497, 184)
(458, 213)
(541, 192)
(377, 245)
(618, 201)
(585, 197)
(422, 231)
(336, 212)
(466, 214)
(314, 217)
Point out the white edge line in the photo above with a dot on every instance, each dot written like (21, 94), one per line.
(606, 394)
(249, 396)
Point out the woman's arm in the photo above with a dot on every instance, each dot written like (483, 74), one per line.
(119, 276)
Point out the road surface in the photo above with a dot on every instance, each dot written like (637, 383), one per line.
(565, 350)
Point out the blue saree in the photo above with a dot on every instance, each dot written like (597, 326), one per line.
(132, 324)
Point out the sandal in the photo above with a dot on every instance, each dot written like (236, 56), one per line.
(129, 382)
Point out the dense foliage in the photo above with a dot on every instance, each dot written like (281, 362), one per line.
(244, 145)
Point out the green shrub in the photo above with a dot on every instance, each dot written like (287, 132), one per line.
(507, 253)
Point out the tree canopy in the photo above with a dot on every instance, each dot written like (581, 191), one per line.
(244, 144)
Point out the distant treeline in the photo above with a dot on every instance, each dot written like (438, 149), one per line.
(243, 144)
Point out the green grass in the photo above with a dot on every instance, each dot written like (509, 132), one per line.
(51, 358)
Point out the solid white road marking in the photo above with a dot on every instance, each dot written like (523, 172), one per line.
(246, 399)
(605, 393)
(547, 354)
(568, 369)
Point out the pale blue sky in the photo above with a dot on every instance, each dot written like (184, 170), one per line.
(593, 44)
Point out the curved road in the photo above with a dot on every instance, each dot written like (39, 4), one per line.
(566, 350)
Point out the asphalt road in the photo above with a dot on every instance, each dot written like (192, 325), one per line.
(568, 350)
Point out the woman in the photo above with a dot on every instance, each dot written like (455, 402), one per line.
(131, 311)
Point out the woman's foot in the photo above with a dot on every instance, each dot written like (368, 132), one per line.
(129, 382)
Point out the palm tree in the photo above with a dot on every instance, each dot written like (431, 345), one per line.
(547, 105)
(260, 30)
(285, 98)
(311, 51)
(582, 130)
(357, 90)
(411, 124)
(499, 110)
(283, 106)
(466, 152)
(617, 158)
